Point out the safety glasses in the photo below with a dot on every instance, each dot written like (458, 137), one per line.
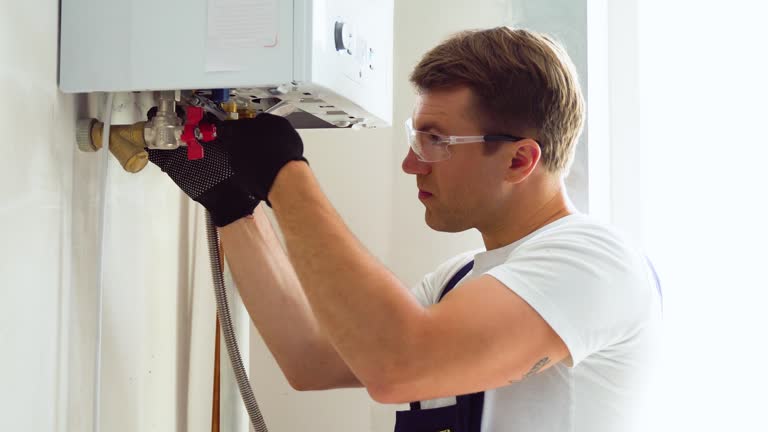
(431, 147)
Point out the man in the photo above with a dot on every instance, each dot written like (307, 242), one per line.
(549, 328)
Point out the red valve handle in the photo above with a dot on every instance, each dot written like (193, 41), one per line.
(194, 115)
(194, 130)
(208, 132)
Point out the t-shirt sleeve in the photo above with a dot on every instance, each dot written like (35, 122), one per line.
(422, 291)
(591, 291)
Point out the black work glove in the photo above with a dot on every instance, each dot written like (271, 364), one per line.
(211, 181)
(259, 148)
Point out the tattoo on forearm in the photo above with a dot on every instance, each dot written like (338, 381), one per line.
(536, 368)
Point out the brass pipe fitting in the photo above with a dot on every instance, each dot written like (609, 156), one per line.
(126, 143)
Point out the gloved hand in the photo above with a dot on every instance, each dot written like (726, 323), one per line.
(259, 148)
(211, 181)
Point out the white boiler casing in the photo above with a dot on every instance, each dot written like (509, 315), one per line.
(331, 58)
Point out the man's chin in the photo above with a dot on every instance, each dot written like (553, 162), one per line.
(442, 225)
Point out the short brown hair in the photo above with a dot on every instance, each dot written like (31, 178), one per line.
(523, 83)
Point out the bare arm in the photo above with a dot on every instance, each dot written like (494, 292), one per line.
(480, 336)
(278, 307)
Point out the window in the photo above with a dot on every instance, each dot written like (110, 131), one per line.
(689, 180)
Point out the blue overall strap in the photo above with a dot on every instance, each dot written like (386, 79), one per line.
(469, 407)
(657, 280)
(465, 416)
(456, 278)
(448, 287)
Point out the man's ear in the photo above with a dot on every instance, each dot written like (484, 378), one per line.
(524, 156)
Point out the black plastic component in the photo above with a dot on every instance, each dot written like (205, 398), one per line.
(339, 36)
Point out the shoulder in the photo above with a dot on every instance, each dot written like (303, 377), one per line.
(582, 241)
(453, 265)
(586, 278)
(580, 225)
(428, 290)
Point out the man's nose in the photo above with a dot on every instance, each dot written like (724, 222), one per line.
(412, 164)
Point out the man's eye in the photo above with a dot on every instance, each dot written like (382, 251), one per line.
(434, 139)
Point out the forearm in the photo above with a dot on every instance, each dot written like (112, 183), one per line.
(367, 313)
(278, 308)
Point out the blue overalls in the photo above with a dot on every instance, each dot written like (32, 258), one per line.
(465, 416)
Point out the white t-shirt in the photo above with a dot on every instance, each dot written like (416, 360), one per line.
(599, 295)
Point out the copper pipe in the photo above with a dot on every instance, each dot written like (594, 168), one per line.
(216, 400)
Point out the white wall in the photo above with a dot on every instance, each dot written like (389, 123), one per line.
(159, 313)
(36, 171)
(155, 312)
(699, 189)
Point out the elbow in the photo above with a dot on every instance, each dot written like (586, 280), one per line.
(397, 380)
(300, 379)
(300, 384)
(322, 381)
(391, 388)
(382, 394)
(304, 383)
(390, 393)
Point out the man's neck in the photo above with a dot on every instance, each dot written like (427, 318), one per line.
(527, 215)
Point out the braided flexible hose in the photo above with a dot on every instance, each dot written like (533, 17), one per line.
(222, 308)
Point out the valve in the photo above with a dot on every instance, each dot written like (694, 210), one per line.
(195, 130)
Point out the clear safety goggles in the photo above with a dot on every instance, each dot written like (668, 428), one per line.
(431, 147)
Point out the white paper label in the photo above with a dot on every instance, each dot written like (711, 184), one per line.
(236, 28)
